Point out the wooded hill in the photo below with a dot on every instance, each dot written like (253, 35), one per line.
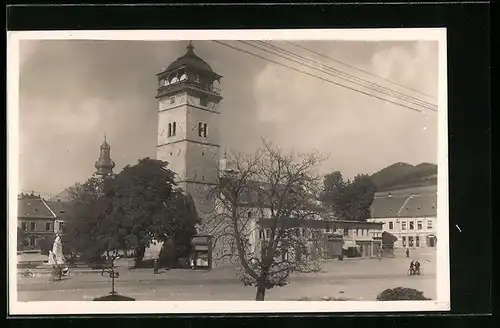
(403, 175)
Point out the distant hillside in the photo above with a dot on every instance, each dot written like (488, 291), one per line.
(403, 175)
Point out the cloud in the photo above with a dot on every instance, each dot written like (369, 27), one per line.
(360, 133)
(72, 92)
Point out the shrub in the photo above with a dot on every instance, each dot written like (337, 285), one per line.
(402, 294)
(114, 298)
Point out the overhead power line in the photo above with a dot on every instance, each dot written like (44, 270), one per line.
(359, 69)
(345, 76)
(316, 76)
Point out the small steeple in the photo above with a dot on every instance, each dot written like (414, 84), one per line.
(104, 164)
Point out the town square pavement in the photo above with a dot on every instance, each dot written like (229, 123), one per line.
(351, 279)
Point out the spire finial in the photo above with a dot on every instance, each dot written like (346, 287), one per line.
(190, 47)
(104, 136)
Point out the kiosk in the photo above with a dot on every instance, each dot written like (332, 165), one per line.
(201, 253)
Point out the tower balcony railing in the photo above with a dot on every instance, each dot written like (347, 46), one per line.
(210, 88)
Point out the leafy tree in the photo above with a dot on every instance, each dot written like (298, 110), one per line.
(269, 190)
(45, 244)
(349, 200)
(129, 211)
(88, 230)
(149, 206)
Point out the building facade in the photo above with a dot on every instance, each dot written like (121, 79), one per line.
(36, 220)
(188, 118)
(408, 214)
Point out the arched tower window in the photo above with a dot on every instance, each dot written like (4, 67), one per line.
(174, 126)
(200, 129)
(205, 130)
(169, 129)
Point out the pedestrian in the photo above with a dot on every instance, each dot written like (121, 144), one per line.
(407, 252)
(155, 266)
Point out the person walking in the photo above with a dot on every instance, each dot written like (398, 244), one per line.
(407, 252)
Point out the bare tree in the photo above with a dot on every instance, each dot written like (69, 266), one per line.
(261, 201)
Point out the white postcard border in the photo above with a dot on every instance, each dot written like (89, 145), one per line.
(146, 307)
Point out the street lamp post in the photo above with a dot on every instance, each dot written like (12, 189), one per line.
(113, 275)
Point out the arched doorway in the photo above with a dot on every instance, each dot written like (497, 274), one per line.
(431, 241)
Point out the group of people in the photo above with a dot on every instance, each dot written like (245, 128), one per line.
(414, 268)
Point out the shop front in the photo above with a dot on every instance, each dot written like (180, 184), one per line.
(334, 244)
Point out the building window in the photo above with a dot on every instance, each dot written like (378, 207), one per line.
(429, 224)
(412, 225)
(48, 226)
(417, 241)
(25, 226)
(410, 241)
(169, 129)
(174, 128)
(357, 232)
(403, 225)
(31, 241)
(261, 234)
(61, 226)
(268, 233)
(346, 232)
(391, 225)
(419, 225)
(403, 239)
(32, 226)
(202, 129)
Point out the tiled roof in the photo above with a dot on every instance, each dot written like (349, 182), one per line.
(63, 196)
(387, 207)
(420, 206)
(421, 202)
(60, 208)
(254, 193)
(33, 207)
(408, 191)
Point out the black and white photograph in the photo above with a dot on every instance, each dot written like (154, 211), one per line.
(228, 171)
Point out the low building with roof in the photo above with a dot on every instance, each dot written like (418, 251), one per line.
(408, 214)
(323, 233)
(35, 219)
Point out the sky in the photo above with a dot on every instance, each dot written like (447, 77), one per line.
(74, 92)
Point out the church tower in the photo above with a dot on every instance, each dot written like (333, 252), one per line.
(188, 119)
(104, 164)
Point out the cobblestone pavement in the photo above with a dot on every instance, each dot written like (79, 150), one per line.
(357, 279)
